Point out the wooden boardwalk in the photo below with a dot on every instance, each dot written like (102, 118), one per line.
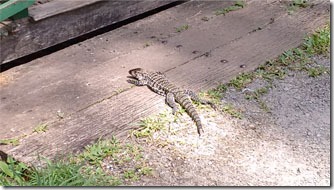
(86, 82)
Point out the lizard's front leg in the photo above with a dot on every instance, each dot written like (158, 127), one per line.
(136, 82)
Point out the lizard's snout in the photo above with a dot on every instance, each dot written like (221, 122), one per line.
(135, 71)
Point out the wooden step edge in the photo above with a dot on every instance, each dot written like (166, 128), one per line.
(57, 7)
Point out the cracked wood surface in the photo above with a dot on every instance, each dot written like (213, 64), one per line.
(87, 81)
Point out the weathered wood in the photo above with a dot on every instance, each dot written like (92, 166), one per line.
(57, 7)
(58, 26)
(88, 91)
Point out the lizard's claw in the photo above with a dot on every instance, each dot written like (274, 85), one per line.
(200, 131)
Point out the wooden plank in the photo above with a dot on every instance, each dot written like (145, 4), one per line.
(77, 77)
(57, 7)
(30, 37)
(103, 112)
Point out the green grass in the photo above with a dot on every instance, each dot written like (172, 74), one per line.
(257, 93)
(299, 58)
(145, 171)
(318, 42)
(149, 125)
(13, 141)
(40, 128)
(12, 172)
(95, 153)
(215, 94)
(85, 169)
(131, 174)
(317, 71)
(238, 5)
(263, 106)
(182, 28)
(241, 80)
(231, 110)
(63, 173)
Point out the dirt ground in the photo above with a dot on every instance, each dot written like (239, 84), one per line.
(289, 145)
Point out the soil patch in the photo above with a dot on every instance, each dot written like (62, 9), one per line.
(286, 144)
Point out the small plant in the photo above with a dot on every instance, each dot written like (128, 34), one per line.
(236, 6)
(214, 95)
(182, 28)
(131, 175)
(294, 59)
(241, 80)
(319, 42)
(145, 170)
(229, 109)
(84, 169)
(317, 71)
(257, 93)
(40, 128)
(96, 152)
(151, 124)
(12, 172)
(263, 106)
(14, 141)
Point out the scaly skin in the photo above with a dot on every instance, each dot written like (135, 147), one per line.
(159, 84)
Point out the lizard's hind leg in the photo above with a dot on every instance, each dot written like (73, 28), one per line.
(171, 102)
(194, 97)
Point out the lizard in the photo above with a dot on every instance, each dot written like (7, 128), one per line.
(158, 83)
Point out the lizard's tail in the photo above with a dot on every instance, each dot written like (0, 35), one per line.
(190, 109)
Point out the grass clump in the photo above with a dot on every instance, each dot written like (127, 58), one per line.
(215, 94)
(317, 71)
(238, 5)
(13, 141)
(95, 153)
(299, 58)
(182, 28)
(85, 169)
(231, 110)
(318, 42)
(61, 173)
(12, 172)
(241, 80)
(255, 95)
(263, 106)
(40, 128)
(151, 124)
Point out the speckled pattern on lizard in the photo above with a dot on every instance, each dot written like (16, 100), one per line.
(159, 84)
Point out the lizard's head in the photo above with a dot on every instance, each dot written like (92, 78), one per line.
(137, 73)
